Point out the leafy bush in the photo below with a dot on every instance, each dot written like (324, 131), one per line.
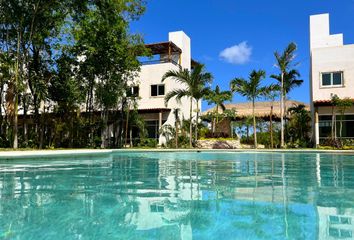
(183, 142)
(148, 142)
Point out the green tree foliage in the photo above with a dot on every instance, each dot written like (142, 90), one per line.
(284, 62)
(252, 90)
(194, 81)
(218, 98)
(66, 53)
(271, 92)
(299, 126)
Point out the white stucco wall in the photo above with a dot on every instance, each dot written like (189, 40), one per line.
(328, 54)
(151, 74)
(332, 59)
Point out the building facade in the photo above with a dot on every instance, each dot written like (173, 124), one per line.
(175, 54)
(331, 73)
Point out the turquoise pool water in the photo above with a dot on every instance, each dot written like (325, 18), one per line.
(179, 196)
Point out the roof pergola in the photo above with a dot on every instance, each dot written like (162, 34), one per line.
(262, 109)
(163, 47)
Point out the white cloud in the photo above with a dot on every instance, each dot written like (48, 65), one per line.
(237, 54)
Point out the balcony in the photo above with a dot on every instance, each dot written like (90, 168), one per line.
(164, 52)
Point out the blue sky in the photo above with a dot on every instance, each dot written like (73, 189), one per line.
(259, 25)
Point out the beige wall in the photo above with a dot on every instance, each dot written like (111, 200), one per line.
(328, 54)
(151, 74)
(332, 59)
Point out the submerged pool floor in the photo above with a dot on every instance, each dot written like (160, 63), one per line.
(167, 195)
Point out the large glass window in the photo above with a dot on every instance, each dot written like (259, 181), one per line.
(344, 126)
(332, 79)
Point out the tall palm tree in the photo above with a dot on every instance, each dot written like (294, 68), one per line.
(284, 62)
(291, 81)
(218, 98)
(271, 92)
(251, 89)
(194, 81)
(202, 93)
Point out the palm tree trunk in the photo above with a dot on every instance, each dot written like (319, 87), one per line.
(282, 111)
(25, 135)
(254, 125)
(15, 140)
(126, 127)
(176, 126)
(271, 127)
(190, 124)
(176, 134)
(196, 126)
(332, 127)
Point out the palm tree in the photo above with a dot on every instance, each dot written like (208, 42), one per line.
(202, 93)
(284, 63)
(252, 90)
(290, 81)
(218, 98)
(194, 81)
(271, 93)
(300, 121)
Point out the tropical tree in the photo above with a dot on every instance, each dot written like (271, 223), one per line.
(252, 90)
(291, 81)
(194, 82)
(271, 92)
(284, 62)
(202, 93)
(218, 98)
(334, 103)
(300, 124)
(110, 53)
(343, 105)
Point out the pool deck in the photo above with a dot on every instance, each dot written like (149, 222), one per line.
(91, 152)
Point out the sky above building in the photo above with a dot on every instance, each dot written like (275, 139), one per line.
(233, 37)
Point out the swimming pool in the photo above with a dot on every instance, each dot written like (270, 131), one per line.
(179, 195)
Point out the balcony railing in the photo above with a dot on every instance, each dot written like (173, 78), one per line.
(159, 61)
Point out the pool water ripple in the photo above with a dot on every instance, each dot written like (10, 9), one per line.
(156, 195)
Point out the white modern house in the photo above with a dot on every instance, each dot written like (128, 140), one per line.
(331, 73)
(174, 54)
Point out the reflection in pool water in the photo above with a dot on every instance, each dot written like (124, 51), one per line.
(179, 196)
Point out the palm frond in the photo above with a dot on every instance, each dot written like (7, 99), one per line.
(178, 94)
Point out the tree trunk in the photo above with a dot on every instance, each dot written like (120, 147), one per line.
(1, 117)
(176, 127)
(196, 122)
(190, 124)
(42, 128)
(17, 73)
(333, 122)
(104, 131)
(282, 145)
(271, 127)
(126, 128)
(254, 125)
(121, 124)
(25, 136)
(341, 125)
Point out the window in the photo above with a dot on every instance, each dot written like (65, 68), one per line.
(332, 79)
(325, 126)
(157, 90)
(157, 207)
(133, 91)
